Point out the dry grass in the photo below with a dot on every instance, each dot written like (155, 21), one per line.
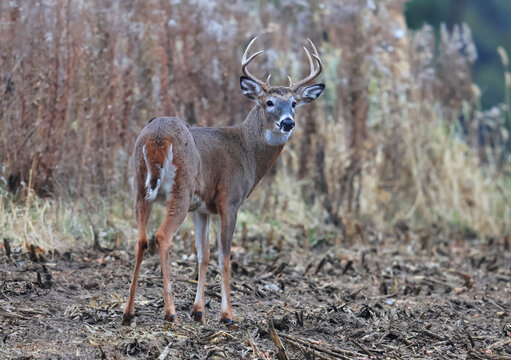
(397, 137)
(59, 223)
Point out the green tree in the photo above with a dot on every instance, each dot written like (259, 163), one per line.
(489, 21)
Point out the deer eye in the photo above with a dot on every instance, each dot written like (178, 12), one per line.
(293, 104)
(269, 103)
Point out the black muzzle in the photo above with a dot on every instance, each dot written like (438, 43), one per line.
(287, 125)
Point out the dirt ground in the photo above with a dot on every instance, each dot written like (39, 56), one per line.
(384, 299)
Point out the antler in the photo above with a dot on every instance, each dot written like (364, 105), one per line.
(314, 72)
(245, 62)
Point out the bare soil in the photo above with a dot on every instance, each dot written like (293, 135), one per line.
(383, 299)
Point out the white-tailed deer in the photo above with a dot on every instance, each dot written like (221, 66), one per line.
(211, 171)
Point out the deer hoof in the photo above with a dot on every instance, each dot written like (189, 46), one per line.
(171, 318)
(126, 319)
(227, 321)
(198, 316)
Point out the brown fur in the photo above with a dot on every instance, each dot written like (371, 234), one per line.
(221, 166)
(218, 166)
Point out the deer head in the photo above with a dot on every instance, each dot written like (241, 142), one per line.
(278, 103)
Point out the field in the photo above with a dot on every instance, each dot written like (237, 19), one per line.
(383, 299)
(382, 232)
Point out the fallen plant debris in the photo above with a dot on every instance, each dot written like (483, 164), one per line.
(396, 302)
(274, 336)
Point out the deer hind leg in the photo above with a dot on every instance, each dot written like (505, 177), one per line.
(201, 225)
(177, 209)
(142, 209)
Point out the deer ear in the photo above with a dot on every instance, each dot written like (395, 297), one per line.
(307, 94)
(250, 88)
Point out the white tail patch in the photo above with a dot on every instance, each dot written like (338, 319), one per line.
(150, 193)
(165, 181)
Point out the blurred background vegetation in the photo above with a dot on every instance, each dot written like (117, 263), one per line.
(402, 142)
(491, 28)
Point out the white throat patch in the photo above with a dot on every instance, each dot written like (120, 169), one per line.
(277, 137)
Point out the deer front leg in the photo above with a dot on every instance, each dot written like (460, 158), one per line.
(227, 225)
(142, 209)
(201, 226)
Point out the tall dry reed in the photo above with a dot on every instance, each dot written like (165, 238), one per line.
(396, 137)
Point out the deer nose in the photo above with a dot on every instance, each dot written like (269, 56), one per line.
(287, 124)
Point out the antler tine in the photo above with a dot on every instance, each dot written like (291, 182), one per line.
(316, 54)
(244, 57)
(311, 63)
(313, 47)
(314, 73)
(245, 62)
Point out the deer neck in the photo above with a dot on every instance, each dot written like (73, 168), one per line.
(264, 156)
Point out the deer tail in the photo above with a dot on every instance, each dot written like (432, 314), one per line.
(158, 160)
